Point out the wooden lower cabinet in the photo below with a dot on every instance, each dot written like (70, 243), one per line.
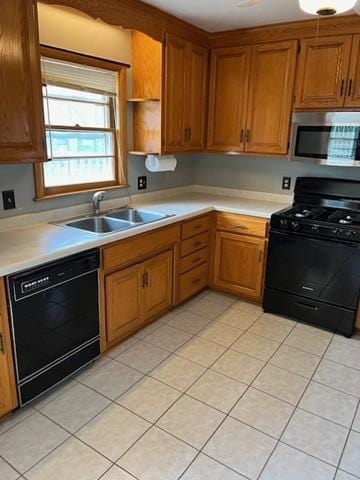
(135, 294)
(124, 302)
(239, 264)
(158, 284)
(8, 397)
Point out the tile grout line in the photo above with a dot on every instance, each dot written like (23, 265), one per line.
(291, 417)
(347, 437)
(245, 391)
(185, 392)
(182, 394)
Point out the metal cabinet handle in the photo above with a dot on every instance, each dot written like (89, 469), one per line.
(2, 346)
(247, 137)
(242, 227)
(197, 280)
(197, 244)
(196, 260)
(260, 256)
(350, 87)
(242, 136)
(145, 280)
(342, 88)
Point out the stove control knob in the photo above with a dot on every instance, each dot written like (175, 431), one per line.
(336, 231)
(315, 229)
(295, 225)
(350, 233)
(284, 223)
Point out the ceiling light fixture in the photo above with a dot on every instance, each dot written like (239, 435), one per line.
(326, 7)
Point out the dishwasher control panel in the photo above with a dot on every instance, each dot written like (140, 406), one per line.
(34, 281)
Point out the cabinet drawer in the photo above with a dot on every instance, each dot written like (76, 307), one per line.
(242, 224)
(193, 281)
(194, 227)
(141, 246)
(194, 259)
(193, 244)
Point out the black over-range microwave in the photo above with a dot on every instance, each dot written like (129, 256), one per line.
(326, 138)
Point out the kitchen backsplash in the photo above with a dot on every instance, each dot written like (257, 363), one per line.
(262, 174)
(20, 178)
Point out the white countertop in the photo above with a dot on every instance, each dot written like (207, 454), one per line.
(30, 246)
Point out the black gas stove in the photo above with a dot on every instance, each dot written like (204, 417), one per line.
(319, 221)
(313, 270)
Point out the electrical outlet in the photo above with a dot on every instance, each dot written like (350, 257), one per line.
(8, 198)
(286, 183)
(142, 183)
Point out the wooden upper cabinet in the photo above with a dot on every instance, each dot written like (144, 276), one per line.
(21, 113)
(229, 85)
(158, 284)
(271, 91)
(175, 74)
(196, 67)
(8, 397)
(322, 72)
(352, 95)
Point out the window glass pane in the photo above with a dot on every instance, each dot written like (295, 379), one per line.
(71, 113)
(75, 143)
(83, 170)
(74, 94)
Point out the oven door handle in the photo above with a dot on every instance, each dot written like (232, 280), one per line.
(302, 236)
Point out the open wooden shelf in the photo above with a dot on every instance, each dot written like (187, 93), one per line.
(137, 100)
(136, 152)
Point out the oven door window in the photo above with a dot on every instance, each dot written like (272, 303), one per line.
(336, 144)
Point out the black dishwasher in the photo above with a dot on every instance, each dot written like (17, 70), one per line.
(54, 313)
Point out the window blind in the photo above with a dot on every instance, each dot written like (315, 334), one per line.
(58, 72)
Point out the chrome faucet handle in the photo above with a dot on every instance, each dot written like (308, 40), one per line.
(96, 199)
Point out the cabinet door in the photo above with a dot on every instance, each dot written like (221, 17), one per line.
(197, 58)
(322, 73)
(8, 399)
(229, 85)
(175, 73)
(239, 264)
(21, 114)
(272, 79)
(124, 304)
(352, 98)
(158, 284)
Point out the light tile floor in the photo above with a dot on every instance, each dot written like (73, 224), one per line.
(214, 390)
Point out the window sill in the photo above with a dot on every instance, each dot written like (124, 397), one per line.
(78, 192)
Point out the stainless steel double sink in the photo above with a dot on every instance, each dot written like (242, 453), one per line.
(115, 221)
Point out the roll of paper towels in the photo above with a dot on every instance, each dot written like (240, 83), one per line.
(162, 163)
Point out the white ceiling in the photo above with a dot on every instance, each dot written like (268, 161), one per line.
(217, 15)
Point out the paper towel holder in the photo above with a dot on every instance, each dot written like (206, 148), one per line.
(160, 163)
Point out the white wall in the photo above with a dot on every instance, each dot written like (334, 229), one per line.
(70, 29)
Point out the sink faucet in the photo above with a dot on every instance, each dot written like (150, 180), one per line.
(97, 197)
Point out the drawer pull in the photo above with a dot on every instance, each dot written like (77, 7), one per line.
(197, 244)
(242, 227)
(197, 227)
(305, 305)
(2, 347)
(196, 260)
(197, 280)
